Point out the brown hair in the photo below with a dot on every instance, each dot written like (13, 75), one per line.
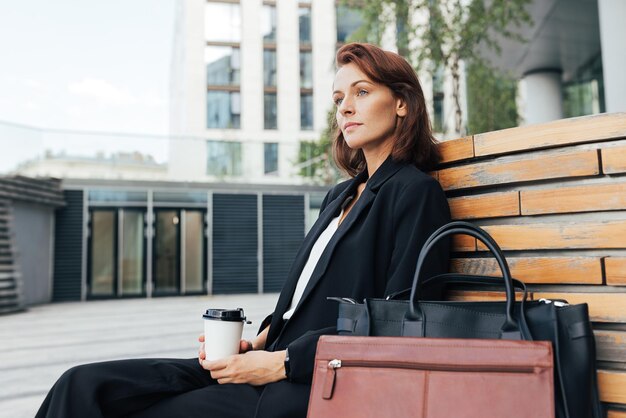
(414, 142)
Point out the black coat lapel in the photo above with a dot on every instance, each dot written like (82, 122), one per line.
(384, 172)
(330, 212)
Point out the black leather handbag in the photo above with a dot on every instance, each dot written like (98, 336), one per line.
(566, 326)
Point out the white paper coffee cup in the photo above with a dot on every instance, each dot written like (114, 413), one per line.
(222, 332)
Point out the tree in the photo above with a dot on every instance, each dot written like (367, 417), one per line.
(449, 32)
(492, 95)
(315, 159)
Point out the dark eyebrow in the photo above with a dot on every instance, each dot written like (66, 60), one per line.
(354, 84)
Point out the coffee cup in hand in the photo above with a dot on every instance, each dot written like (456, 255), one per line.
(222, 332)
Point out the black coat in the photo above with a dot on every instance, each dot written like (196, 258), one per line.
(373, 253)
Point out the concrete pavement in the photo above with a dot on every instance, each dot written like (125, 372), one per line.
(38, 345)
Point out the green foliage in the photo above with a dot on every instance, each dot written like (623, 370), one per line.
(315, 157)
(449, 32)
(491, 99)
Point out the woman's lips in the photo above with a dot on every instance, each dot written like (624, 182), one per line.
(351, 126)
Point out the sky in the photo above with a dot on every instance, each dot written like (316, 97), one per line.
(83, 65)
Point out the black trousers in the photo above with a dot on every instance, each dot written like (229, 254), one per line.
(165, 388)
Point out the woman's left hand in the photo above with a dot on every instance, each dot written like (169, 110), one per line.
(254, 367)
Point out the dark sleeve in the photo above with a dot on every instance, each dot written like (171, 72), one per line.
(302, 354)
(421, 208)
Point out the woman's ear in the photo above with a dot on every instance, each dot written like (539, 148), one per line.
(401, 108)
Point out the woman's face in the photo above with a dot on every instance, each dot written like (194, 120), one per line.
(367, 112)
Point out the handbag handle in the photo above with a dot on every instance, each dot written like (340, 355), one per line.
(510, 328)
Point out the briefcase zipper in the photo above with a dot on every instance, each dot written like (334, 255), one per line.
(333, 365)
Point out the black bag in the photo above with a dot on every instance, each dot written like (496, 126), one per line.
(566, 326)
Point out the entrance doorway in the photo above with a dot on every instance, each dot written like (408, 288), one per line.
(116, 252)
(179, 251)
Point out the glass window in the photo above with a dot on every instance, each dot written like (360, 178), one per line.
(269, 68)
(194, 251)
(270, 111)
(306, 111)
(222, 22)
(268, 24)
(166, 251)
(271, 158)
(180, 197)
(304, 15)
(107, 195)
(349, 19)
(315, 203)
(103, 243)
(306, 69)
(223, 158)
(223, 65)
(133, 252)
(223, 110)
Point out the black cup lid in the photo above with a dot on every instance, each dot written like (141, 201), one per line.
(225, 314)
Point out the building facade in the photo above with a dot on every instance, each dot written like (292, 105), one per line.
(148, 239)
(250, 80)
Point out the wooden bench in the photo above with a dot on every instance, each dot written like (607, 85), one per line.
(554, 197)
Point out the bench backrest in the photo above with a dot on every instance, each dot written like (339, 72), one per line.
(554, 197)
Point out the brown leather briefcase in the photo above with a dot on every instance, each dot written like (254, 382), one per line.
(431, 378)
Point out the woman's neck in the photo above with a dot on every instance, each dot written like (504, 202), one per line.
(374, 159)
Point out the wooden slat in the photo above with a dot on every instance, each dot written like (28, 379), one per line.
(612, 386)
(603, 307)
(615, 268)
(536, 167)
(564, 270)
(552, 134)
(463, 243)
(574, 199)
(610, 345)
(614, 160)
(457, 149)
(610, 234)
(492, 205)
(612, 413)
(481, 296)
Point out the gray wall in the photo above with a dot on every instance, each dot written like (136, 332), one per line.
(33, 227)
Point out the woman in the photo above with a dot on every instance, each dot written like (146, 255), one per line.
(364, 244)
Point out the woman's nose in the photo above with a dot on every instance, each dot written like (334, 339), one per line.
(346, 107)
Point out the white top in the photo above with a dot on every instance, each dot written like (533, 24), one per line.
(314, 257)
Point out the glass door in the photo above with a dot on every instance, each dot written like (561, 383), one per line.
(102, 252)
(194, 250)
(166, 258)
(116, 252)
(132, 253)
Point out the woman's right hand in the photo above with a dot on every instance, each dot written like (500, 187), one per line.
(244, 345)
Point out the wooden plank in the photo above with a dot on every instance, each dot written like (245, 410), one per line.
(614, 160)
(463, 243)
(615, 270)
(610, 345)
(563, 270)
(457, 149)
(480, 296)
(536, 167)
(612, 413)
(552, 134)
(603, 307)
(591, 235)
(612, 386)
(590, 198)
(491, 205)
